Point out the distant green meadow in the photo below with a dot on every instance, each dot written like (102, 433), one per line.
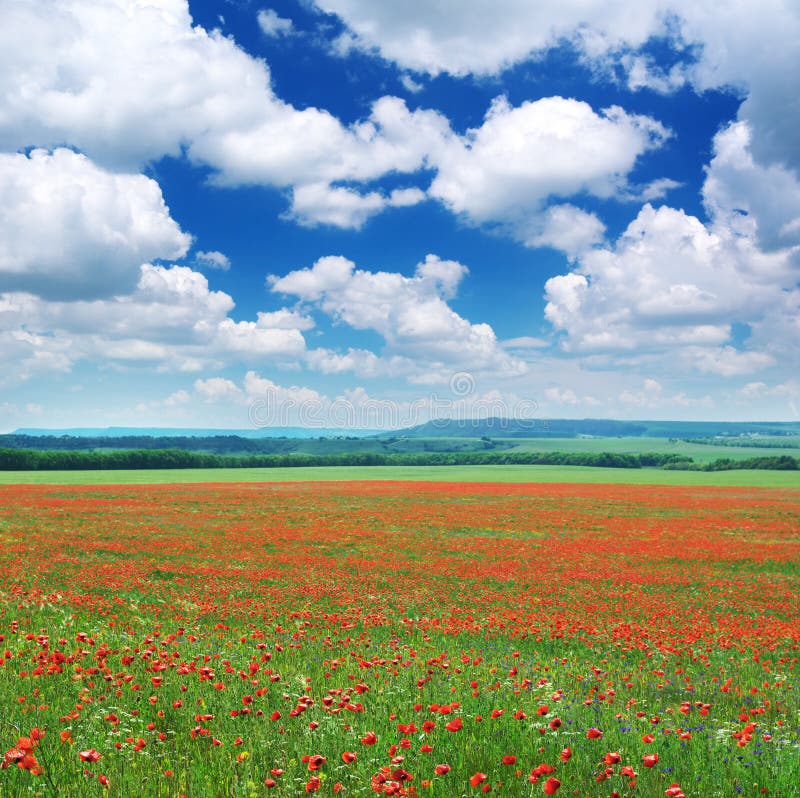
(699, 452)
(477, 473)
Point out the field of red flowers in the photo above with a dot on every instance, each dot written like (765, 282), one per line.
(408, 639)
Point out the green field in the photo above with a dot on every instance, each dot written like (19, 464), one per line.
(699, 452)
(355, 639)
(492, 473)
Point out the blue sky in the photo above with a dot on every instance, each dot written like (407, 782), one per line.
(557, 209)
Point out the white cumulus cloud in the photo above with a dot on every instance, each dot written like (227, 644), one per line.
(506, 172)
(93, 75)
(670, 285)
(172, 320)
(753, 48)
(272, 24)
(213, 260)
(411, 314)
(72, 229)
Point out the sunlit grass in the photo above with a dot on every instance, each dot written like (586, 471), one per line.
(480, 473)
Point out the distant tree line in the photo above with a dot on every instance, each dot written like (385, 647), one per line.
(207, 443)
(769, 463)
(32, 460)
(748, 443)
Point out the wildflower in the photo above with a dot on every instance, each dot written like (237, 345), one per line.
(551, 785)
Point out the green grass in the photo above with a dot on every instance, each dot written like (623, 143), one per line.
(701, 453)
(496, 473)
(196, 640)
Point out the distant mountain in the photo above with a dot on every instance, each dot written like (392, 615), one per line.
(520, 428)
(226, 439)
(190, 432)
(592, 427)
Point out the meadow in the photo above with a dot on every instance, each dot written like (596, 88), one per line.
(461, 473)
(402, 638)
(698, 451)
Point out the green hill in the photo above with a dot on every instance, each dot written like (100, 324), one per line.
(594, 427)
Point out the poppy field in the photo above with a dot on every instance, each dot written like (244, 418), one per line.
(399, 638)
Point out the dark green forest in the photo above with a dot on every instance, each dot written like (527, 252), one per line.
(33, 460)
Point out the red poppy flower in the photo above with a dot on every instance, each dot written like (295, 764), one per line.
(441, 770)
(316, 761)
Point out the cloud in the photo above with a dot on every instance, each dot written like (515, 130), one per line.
(729, 362)
(360, 362)
(267, 403)
(311, 149)
(411, 85)
(648, 396)
(285, 319)
(217, 389)
(561, 397)
(777, 396)
(25, 354)
(172, 320)
(651, 396)
(654, 190)
(321, 203)
(254, 386)
(674, 286)
(93, 76)
(410, 313)
(670, 285)
(750, 49)
(642, 73)
(505, 171)
(485, 38)
(212, 260)
(525, 342)
(273, 25)
(753, 390)
(566, 228)
(760, 201)
(778, 331)
(177, 398)
(70, 229)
